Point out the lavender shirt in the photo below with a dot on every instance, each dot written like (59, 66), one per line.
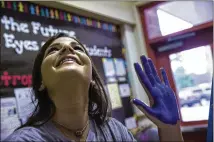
(111, 130)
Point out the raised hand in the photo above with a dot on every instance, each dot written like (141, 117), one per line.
(164, 109)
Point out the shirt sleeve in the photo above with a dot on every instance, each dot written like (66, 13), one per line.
(120, 131)
(24, 135)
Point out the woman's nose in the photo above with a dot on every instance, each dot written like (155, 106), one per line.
(67, 48)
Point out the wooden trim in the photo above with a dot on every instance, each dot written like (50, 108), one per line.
(149, 50)
(149, 5)
(193, 123)
(200, 38)
(141, 9)
(193, 29)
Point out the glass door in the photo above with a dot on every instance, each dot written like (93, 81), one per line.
(192, 72)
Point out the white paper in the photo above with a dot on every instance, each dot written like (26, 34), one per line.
(124, 90)
(130, 123)
(111, 79)
(122, 79)
(108, 66)
(24, 102)
(9, 117)
(114, 95)
(120, 67)
(8, 107)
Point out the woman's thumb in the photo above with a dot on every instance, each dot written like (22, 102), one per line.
(143, 107)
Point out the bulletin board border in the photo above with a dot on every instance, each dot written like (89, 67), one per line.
(53, 13)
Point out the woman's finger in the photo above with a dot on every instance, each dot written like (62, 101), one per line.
(152, 79)
(145, 64)
(164, 76)
(142, 77)
(154, 71)
(147, 68)
(144, 108)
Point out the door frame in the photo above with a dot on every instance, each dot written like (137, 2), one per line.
(203, 35)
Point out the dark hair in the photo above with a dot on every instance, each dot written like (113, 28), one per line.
(99, 107)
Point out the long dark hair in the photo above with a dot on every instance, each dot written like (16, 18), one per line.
(99, 107)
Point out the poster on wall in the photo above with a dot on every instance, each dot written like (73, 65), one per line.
(109, 69)
(114, 95)
(25, 105)
(120, 69)
(124, 90)
(26, 26)
(9, 116)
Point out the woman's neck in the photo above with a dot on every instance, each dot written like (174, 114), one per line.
(71, 107)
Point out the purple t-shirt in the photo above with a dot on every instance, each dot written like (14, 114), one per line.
(111, 130)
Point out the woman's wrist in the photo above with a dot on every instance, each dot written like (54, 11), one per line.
(170, 132)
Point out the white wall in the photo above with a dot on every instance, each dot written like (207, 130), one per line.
(132, 55)
(121, 11)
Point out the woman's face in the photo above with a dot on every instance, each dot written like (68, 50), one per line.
(65, 61)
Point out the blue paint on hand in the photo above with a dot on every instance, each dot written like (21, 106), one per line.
(165, 106)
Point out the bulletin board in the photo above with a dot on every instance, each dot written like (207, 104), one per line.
(25, 27)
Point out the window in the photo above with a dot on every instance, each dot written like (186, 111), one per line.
(170, 17)
(192, 72)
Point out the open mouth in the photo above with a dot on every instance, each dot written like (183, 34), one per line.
(67, 59)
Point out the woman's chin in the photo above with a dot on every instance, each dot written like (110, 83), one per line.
(68, 68)
(69, 71)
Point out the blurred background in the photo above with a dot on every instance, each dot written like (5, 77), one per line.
(176, 35)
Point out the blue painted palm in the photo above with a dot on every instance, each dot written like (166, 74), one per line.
(164, 105)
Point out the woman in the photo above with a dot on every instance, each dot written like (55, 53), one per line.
(72, 103)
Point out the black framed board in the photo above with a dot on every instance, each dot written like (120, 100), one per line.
(25, 27)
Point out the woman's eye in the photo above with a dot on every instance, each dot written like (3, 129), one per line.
(78, 48)
(53, 49)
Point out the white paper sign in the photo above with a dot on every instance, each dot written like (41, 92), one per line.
(9, 117)
(120, 67)
(114, 95)
(24, 102)
(124, 90)
(108, 66)
(8, 107)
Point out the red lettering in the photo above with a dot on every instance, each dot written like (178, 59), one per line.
(24, 80)
(15, 78)
(29, 77)
(5, 78)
